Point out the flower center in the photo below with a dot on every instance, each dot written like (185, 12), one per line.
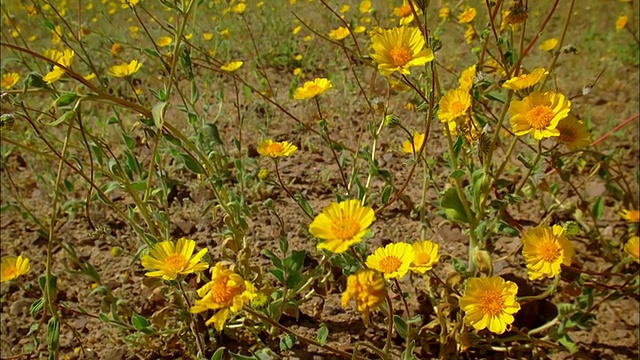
(176, 262)
(539, 117)
(275, 148)
(314, 89)
(345, 228)
(457, 107)
(549, 251)
(422, 258)
(404, 10)
(10, 273)
(390, 264)
(492, 302)
(400, 55)
(222, 294)
(567, 135)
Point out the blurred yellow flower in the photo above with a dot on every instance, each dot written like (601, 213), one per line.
(525, 81)
(631, 247)
(239, 8)
(307, 38)
(12, 267)
(231, 66)
(454, 104)
(32, 11)
(297, 72)
(573, 133)
(90, 76)
(129, 3)
(393, 260)
(297, 29)
(544, 249)
(9, 80)
(63, 58)
(341, 225)
(311, 89)
(274, 149)
(116, 49)
(489, 302)
(164, 41)
(359, 29)
(227, 291)
(124, 69)
(398, 49)
(263, 174)
(368, 289)
(539, 113)
(621, 22)
(467, 15)
(405, 13)
(207, 36)
(549, 44)
(226, 33)
(470, 34)
(630, 215)
(56, 35)
(408, 146)
(169, 259)
(467, 78)
(365, 6)
(339, 33)
(426, 255)
(444, 13)
(345, 8)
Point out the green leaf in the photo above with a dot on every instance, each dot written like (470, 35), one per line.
(460, 266)
(274, 258)
(158, 113)
(64, 117)
(66, 99)
(53, 333)
(151, 52)
(401, 326)
(457, 174)
(305, 204)
(566, 341)
(323, 333)
(242, 357)
(598, 207)
(192, 164)
(218, 354)
(287, 341)
(36, 307)
(453, 207)
(139, 322)
(386, 194)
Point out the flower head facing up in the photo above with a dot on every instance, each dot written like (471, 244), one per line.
(165, 41)
(405, 13)
(467, 15)
(630, 215)
(226, 291)
(467, 78)
(311, 89)
(545, 249)
(12, 267)
(632, 247)
(9, 80)
(63, 58)
(454, 104)
(549, 44)
(393, 260)
(573, 133)
(539, 113)
(525, 81)
(124, 70)
(409, 147)
(231, 66)
(339, 33)
(170, 259)
(367, 288)
(426, 255)
(490, 303)
(341, 225)
(398, 49)
(274, 149)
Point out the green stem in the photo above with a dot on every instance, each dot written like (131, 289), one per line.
(512, 146)
(195, 329)
(530, 170)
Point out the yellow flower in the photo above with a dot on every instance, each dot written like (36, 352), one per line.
(398, 49)
(341, 225)
(621, 22)
(32, 11)
(525, 81)
(207, 36)
(90, 76)
(630, 215)
(408, 147)
(365, 6)
(631, 247)
(573, 133)
(297, 29)
(56, 37)
(545, 249)
(339, 33)
(426, 255)
(307, 38)
(124, 69)
(444, 13)
(454, 104)
(116, 49)
(164, 41)
(298, 57)
(63, 58)
(549, 44)
(470, 34)
(467, 78)
(226, 291)
(129, 3)
(297, 72)
(367, 288)
(274, 149)
(311, 89)
(405, 13)
(170, 259)
(467, 15)
(239, 8)
(226, 33)
(231, 66)
(393, 260)
(12, 267)
(263, 174)
(359, 29)
(345, 8)
(9, 80)
(489, 303)
(539, 113)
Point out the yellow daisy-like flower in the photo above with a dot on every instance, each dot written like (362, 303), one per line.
(165, 41)
(539, 113)
(467, 78)
(621, 22)
(63, 58)
(631, 247)
(207, 36)
(9, 80)
(227, 291)
(573, 133)
(339, 33)
(398, 49)
(549, 44)
(405, 13)
(12, 267)
(470, 34)
(239, 8)
(490, 303)
(365, 6)
(231, 66)
(341, 225)
(393, 260)
(124, 69)
(169, 259)
(444, 13)
(129, 3)
(525, 81)
(630, 215)
(359, 29)
(454, 104)
(426, 255)
(274, 149)
(311, 89)
(545, 249)
(467, 15)
(408, 146)
(116, 49)
(367, 288)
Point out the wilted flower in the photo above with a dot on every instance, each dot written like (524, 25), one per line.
(573, 133)
(367, 288)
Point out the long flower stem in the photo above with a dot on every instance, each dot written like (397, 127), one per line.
(195, 329)
(286, 189)
(530, 170)
(387, 345)
(406, 308)
(333, 151)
